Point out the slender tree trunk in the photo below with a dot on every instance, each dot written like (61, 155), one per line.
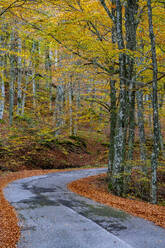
(140, 110)
(12, 78)
(59, 101)
(2, 83)
(154, 161)
(113, 113)
(27, 76)
(78, 99)
(71, 119)
(19, 79)
(34, 90)
(59, 107)
(48, 68)
(112, 126)
(24, 95)
(2, 97)
(50, 80)
(150, 121)
(131, 136)
(35, 59)
(119, 146)
(161, 141)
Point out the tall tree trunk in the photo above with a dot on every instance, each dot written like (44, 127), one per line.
(77, 99)
(2, 83)
(59, 101)
(48, 68)
(131, 9)
(19, 78)
(113, 113)
(161, 141)
(119, 146)
(27, 76)
(154, 161)
(35, 59)
(140, 110)
(12, 78)
(127, 91)
(150, 121)
(2, 95)
(112, 126)
(59, 106)
(71, 119)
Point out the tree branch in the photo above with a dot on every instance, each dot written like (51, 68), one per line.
(12, 5)
(107, 10)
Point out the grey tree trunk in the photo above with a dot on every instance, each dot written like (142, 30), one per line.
(12, 78)
(34, 90)
(24, 95)
(119, 146)
(35, 59)
(154, 160)
(113, 117)
(59, 101)
(2, 83)
(78, 105)
(59, 107)
(131, 9)
(150, 121)
(48, 68)
(2, 96)
(127, 91)
(140, 110)
(71, 118)
(113, 113)
(19, 78)
(161, 141)
(27, 77)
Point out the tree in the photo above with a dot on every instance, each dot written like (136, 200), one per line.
(155, 153)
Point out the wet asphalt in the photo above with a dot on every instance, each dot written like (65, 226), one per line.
(50, 216)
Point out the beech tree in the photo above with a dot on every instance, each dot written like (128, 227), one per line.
(2, 76)
(155, 153)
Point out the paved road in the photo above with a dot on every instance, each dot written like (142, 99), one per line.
(53, 217)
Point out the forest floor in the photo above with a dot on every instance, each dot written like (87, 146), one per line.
(28, 152)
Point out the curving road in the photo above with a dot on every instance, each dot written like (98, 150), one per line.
(53, 217)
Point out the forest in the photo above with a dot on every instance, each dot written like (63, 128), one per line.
(82, 83)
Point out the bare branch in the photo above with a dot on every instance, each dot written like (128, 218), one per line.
(107, 10)
(13, 5)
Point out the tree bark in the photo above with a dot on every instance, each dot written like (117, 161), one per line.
(112, 126)
(48, 68)
(12, 78)
(71, 119)
(139, 98)
(19, 78)
(131, 26)
(2, 83)
(119, 144)
(154, 160)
